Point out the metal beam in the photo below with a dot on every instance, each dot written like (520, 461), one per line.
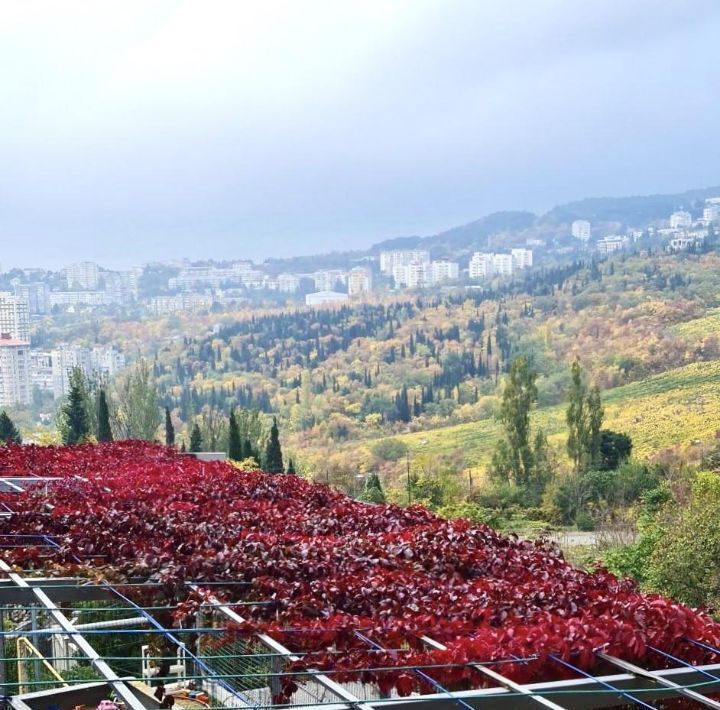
(78, 639)
(59, 589)
(335, 688)
(497, 677)
(644, 673)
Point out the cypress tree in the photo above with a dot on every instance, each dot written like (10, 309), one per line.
(104, 433)
(372, 491)
(196, 441)
(273, 452)
(169, 429)
(8, 431)
(235, 446)
(290, 467)
(76, 427)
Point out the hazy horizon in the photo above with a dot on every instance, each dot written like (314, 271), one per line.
(136, 132)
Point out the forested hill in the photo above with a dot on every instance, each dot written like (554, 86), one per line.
(510, 228)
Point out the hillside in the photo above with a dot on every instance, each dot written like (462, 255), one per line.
(510, 228)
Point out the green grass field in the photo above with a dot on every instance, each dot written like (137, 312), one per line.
(676, 407)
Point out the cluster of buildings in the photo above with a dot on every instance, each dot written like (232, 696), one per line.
(680, 231)
(413, 268)
(22, 368)
(83, 284)
(486, 265)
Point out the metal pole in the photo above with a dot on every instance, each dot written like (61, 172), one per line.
(409, 487)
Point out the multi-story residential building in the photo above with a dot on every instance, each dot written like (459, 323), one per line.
(288, 283)
(164, 305)
(711, 213)
(241, 273)
(613, 243)
(359, 280)
(37, 294)
(680, 220)
(14, 371)
(581, 229)
(328, 279)
(122, 286)
(481, 266)
(522, 258)
(416, 274)
(84, 275)
(322, 298)
(442, 271)
(14, 317)
(402, 257)
(63, 299)
(503, 264)
(41, 371)
(98, 363)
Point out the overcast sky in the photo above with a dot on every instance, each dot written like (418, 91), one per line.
(132, 131)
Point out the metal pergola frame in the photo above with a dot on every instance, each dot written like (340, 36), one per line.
(632, 684)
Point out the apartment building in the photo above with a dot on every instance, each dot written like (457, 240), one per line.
(14, 371)
(359, 281)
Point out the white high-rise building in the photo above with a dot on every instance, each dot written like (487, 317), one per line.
(581, 229)
(522, 258)
(711, 213)
(481, 266)
(14, 317)
(442, 271)
(503, 264)
(14, 371)
(680, 220)
(328, 279)
(402, 257)
(83, 275)
(288, 283)
(37, 294)
(359, 280)
(412, 275)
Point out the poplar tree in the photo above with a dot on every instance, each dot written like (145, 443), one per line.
(9, 433)
(104, 432)
(514, 457)
(584, 418)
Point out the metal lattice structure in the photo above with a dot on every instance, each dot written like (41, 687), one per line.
(69, 640)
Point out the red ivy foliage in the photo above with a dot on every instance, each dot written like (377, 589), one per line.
(332, 567)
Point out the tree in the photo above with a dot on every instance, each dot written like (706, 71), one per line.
(74, 423)
(576, 418)
(402, 405)
(615, 448)
(235, 446)
(213, 427)
(169, 429)
(273, 452)
(196, 440)
(9, 433)
(290, 467)
(372, 491)
(138, 412)
(514, 458)
(584, 418)
(104, 433)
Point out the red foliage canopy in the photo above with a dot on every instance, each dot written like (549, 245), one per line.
(331, 567)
